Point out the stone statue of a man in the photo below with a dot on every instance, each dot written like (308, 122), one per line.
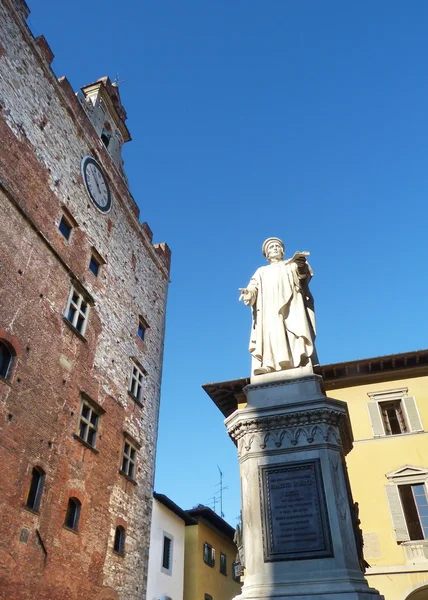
(283, 329)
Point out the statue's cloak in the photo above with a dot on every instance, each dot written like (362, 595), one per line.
(283, 331)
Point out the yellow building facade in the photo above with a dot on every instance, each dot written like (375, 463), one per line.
(209, 558)
(387, 399)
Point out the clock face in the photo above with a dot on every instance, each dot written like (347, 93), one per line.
(96, 184)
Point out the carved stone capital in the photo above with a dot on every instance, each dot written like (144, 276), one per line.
(286, 430)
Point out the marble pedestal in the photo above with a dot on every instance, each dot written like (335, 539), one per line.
(299, 533)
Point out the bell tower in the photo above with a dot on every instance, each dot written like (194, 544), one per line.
(101, 102)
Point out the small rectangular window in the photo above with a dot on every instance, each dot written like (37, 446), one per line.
(65, 227)
(36, 488)
(136, 382)
(142, 326)
(129, 459)
(119, 540)
(73, 514)
(88, 423)
(209, 555)
(223, 564)
(167, 553)
(94, 265)
(236, 571)
(77, 311)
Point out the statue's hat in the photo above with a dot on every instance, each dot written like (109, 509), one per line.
(268, 241)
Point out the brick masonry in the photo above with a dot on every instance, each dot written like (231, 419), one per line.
(44, 134)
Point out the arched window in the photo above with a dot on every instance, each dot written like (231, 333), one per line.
(119, 540)
(73, 514)
(36, 489)
(6, 357)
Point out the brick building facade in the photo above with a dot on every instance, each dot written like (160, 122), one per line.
(82, 313)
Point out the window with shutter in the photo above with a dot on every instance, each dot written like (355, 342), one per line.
(412, 414)
(392, 412)
(209, 555)
(397, 513)
(376, 419)
(167, 554)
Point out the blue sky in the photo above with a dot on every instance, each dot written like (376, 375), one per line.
(301, 119)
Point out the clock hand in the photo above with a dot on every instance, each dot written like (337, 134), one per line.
(96, 183)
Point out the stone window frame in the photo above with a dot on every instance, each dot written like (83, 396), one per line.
(133, 446)
(409, 407)
(90, 426)
(415, 550)
(167, 536)
(137, 381)
(76, 305)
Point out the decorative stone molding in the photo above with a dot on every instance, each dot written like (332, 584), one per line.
(288, 438)
(298, 428)
(416, 551)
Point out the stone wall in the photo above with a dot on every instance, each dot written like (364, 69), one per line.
(44, 134)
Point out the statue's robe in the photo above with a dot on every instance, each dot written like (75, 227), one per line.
(283, 329)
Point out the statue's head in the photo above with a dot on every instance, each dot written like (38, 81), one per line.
(273, 249)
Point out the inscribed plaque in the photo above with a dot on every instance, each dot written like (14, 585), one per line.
(295, 520)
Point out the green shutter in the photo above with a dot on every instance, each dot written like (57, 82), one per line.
(376, 419)
(412, 414)
(397, 514)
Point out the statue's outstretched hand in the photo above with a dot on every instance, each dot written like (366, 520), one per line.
(300, 261)
(245, 294)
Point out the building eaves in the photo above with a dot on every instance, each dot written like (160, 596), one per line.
(226, 395)
(173, 507)
(208, 515)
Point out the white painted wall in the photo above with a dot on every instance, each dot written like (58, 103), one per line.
(159, 583)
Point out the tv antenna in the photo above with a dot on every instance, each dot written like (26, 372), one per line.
(212, 502)
(220, 491)
(117, 80)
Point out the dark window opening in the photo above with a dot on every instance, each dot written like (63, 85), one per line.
(106, 134)
(65, 227)
(73, 514)
(105, 139)
(209, 555)
(119, 540)
(94, 265)
(415, 506)
(393, 417)
(166, 554)
(5, 360)
(36, 489)
(141, 330)
(208, 597)
(223, 564)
